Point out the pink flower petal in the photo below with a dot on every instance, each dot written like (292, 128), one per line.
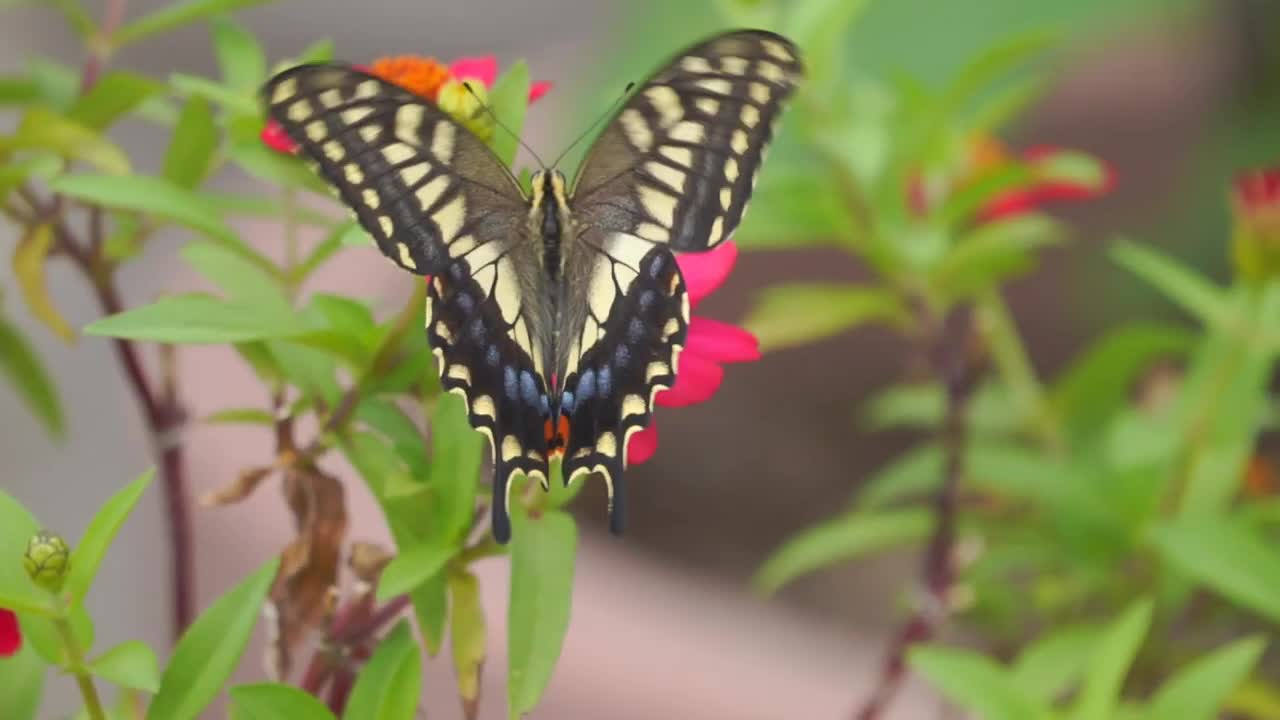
(538, 89)
(721, 341)
(11, 634)
(274, 137)
(642, 445)
(697, 379)
(483, 68)
(705, 272)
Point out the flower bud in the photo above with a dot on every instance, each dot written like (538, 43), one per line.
(1255, 209)
(47, 560)
(467, 106)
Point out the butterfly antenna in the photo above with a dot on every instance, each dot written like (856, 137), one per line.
(500, 124)
(594, 125)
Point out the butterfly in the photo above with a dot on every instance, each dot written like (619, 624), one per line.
(560, 313)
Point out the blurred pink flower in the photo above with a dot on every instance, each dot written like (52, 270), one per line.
(10, 633)
(710, 344)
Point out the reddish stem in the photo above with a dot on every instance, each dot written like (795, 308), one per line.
(953, 364)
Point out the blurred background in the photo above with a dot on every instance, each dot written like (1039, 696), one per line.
(1174, 94)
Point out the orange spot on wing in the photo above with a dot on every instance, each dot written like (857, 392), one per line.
(557, 436)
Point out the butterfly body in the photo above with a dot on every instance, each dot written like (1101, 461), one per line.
(560, 314)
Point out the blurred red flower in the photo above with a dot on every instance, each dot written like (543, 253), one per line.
(422, 76)
(709, 345)
(10, 633)
(1255, 210)
(1057, 175)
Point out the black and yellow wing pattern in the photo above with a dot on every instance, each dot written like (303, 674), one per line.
(557, 317)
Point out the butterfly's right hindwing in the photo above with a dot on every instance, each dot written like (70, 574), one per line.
(420, 184)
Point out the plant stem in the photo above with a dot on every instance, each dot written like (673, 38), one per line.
(953, 363)
(75, 656)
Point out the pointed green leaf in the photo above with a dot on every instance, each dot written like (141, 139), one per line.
(209, 651)
(194, 86)
(1231, 558)
(18, 362)
(431, 608)
(273, 167)
(1198, 691)
(976, 683)
(1179, 284)
(840, 540)
(240, 56)
(456, 455)
(992, 253)
(153, 195)
(102, 530)
(1054, 662)
(44, 129)
(412, 567)
(242, 280)
(542, 559)
(1109, 663)
(131, 664)
(173, 16)
(466, 634)
(17, 90)
(196, 320)
(195, 138)
(273, 701)
(390, 683)
(244, 416)
(509, 99)
(17, 592)
(40, 631)
(115, 94)
(790, 315)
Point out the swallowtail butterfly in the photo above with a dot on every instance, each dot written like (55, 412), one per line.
(558, 315)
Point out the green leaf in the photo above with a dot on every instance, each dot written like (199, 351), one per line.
(790, 315)
(994, 252)
(241, 416)
(1231, 558)
(240, 56)
(841, 539)
(58, 84)
(115, 94)
(323, 250)
(817, 27)
(153, 195)
(17, 592)
(910, 474)
(241, 279)
(102, 530)
(77, 17)
(1181, 285)
(542, 557)
(196, 320)
(976, 683)
(1050, 665)
(1098, 382)
(1109, 662)
(131, 664)
(319, 51)
(190, 155)
(412, 567)
(22, 683)
(194, 86)
(40, 631)
(456, 454)
(16, 172)
(352, 235)
(174, 16)
(390, 683)
(29, 262)
(210, 649)
(314, 372)
(509, 99)
(273, 701)
(44, 129)
(431, 608)
(272, 167)
(990, 65)
(1198, 691)
(17, 90)
(467, 634)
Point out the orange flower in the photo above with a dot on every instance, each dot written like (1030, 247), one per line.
(420, 76)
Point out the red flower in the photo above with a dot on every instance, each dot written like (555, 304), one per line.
(710, 344)
(1057, 175)
(422, 76)
(10, 633)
